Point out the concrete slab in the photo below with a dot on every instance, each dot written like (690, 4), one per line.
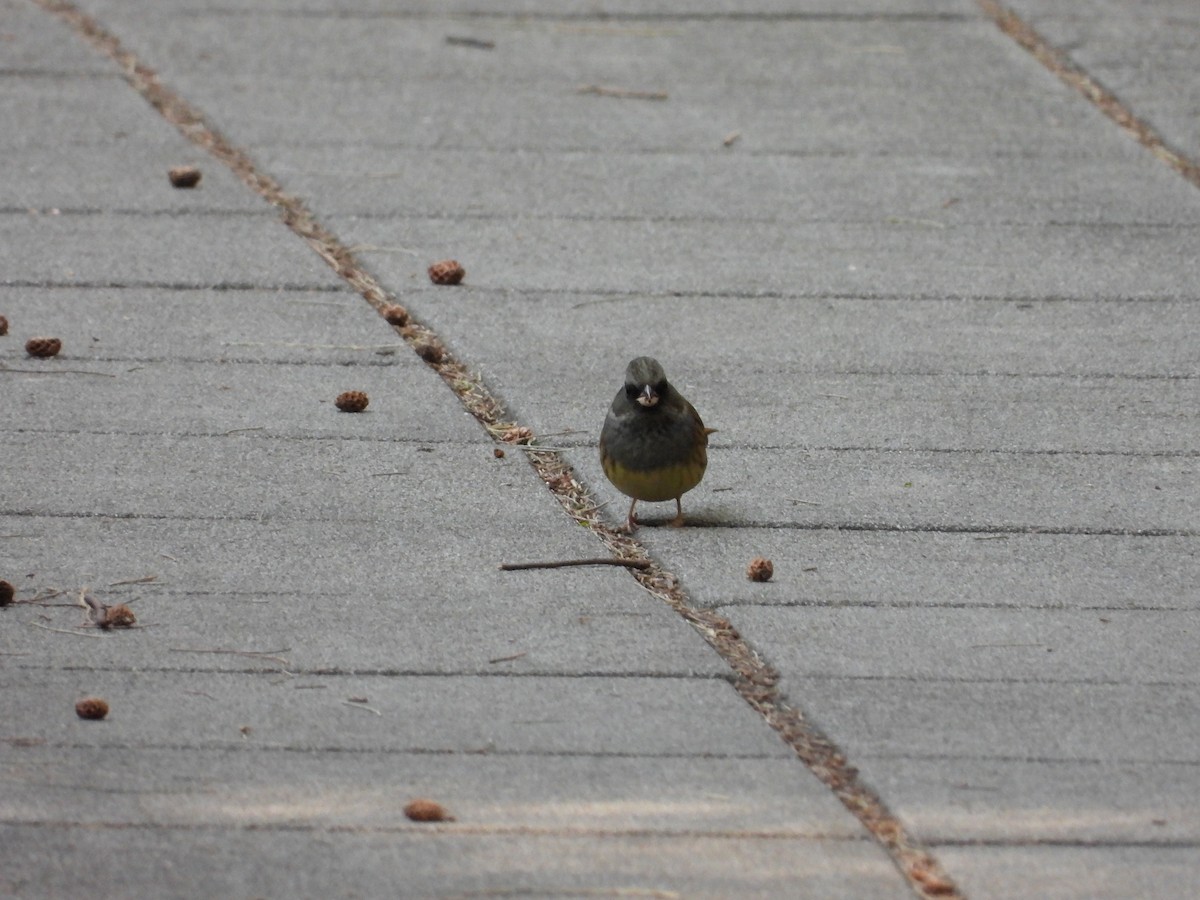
(860, 83)
(31, 49)
(200, 251)
(438, 862)
(1097, 802)
(571, 9)
(241, 476)
(984, 493)
(770, 798)
(96, 110)
(901, 569)
(1048, 646)
(278, 400)
(389, 599)
(325, 325)
(647, 257)
(415, 183)
(185, 710)
(1143, 53)
(56, 177)
(1093, 720)
(1073, 873)
(934, 161)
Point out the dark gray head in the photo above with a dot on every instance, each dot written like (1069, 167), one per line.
(646, 382)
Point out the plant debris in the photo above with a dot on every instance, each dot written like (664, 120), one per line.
(448, 271)
(563, 563)
(760, 569)
(621, 93)
(105, 616)
(395, 314)
(476, 43)
(43, 347)
(7, 592)
(352, 401)
(91, 708)
(184, 176)
(423, 810)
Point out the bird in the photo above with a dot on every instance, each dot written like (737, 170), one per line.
(653, 445)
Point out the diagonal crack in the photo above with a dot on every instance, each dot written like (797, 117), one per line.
(755, 680)
(1076, 77)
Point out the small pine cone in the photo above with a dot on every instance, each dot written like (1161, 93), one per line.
(760, 569)
(91, 708)
(430, 350)
(422, 810)
(119, 616)
(352, 401)
(184, 176)
(43, 347)
(395, 314)
(448, 271)
(7, 592)
(3, 325)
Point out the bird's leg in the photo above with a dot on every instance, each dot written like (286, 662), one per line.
(677, 522)
(631, 524)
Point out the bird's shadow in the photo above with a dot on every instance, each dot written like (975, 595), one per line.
(689, 521)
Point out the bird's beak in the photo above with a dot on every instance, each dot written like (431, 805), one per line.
(647, 397)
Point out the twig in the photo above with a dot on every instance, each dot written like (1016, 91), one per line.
(621, 93)
(356, 705)
(90, 634)
(804, 502)
(239, 430)
(316, 302)
(145, 579)
(252, 654)
(470, 42)
(308, 346)
(57, 372)
(39, 598)
(381, 248)
(381, 474)
(561, 563)
(500, 659)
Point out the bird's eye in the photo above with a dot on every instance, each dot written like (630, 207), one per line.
(632, 391)
(661, 388)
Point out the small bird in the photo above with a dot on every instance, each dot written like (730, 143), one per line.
(653, 446)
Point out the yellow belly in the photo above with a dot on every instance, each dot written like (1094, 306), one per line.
(656, 485)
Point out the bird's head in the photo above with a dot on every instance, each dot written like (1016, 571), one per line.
(645, 382)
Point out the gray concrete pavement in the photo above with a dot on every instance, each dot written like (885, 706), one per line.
(942, 310)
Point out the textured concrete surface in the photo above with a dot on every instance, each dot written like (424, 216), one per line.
(942, 310)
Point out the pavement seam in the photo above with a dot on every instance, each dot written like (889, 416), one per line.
(754, 680)
(1076, 77)
(567, 831)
